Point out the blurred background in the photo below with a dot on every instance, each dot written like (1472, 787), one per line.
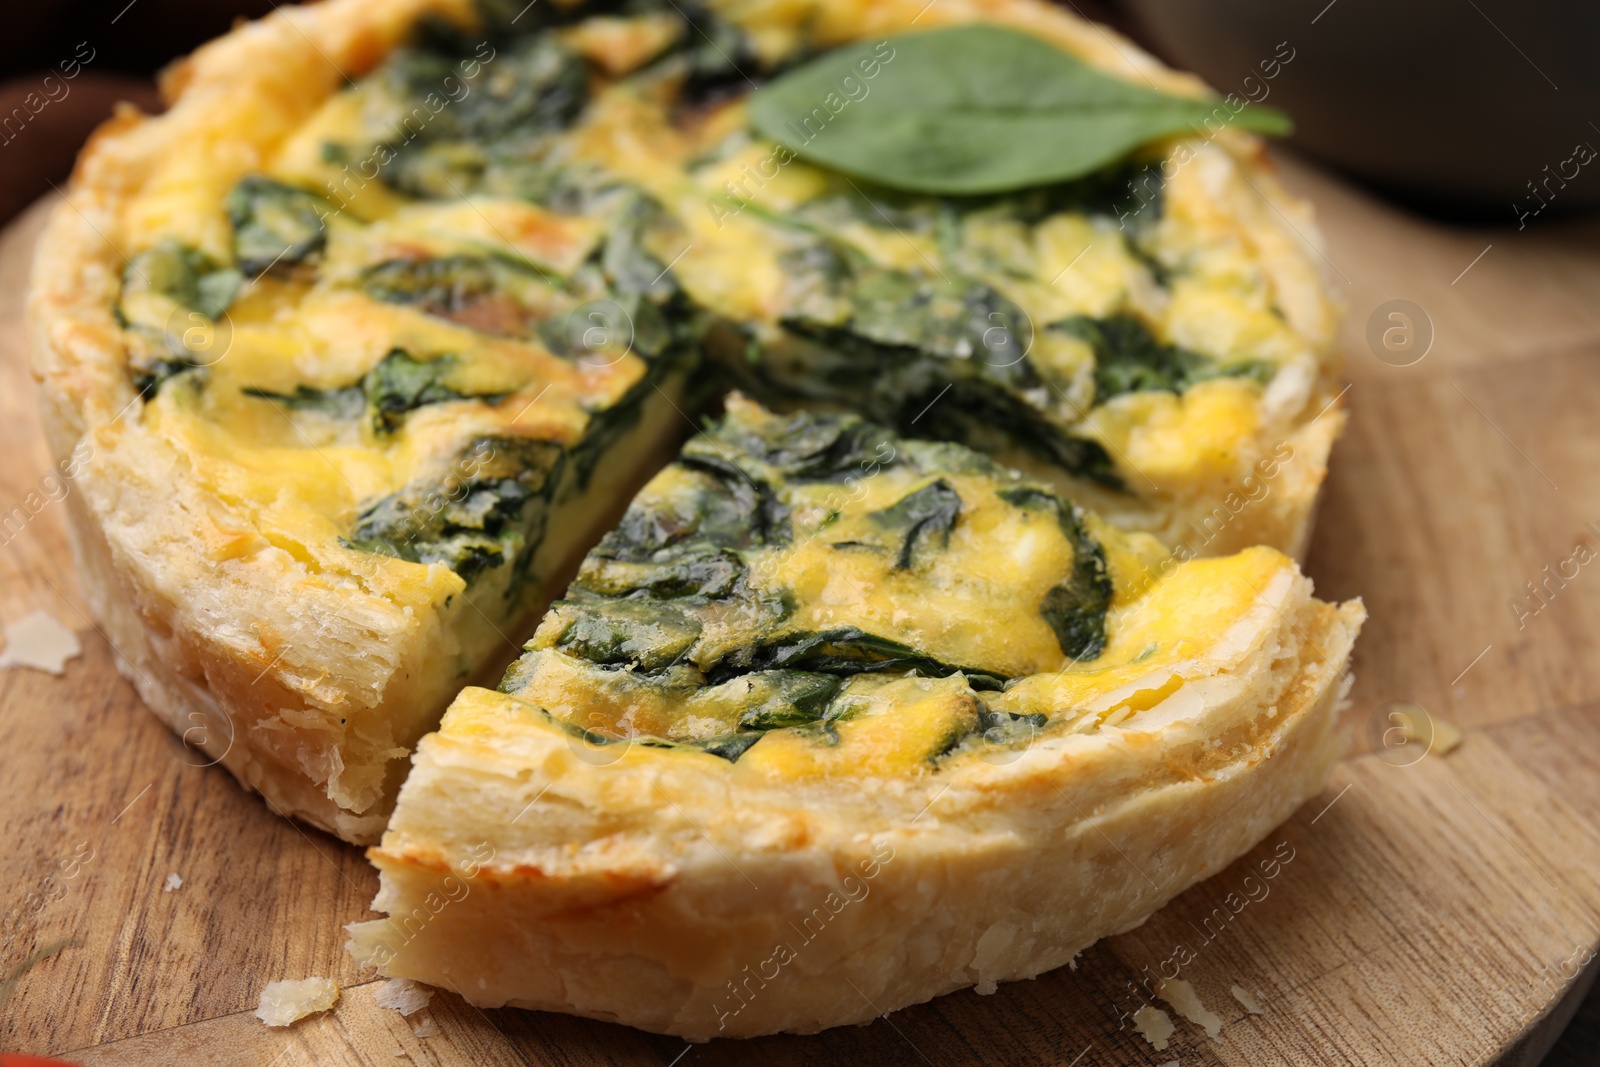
(65, 63)
(1475, 110)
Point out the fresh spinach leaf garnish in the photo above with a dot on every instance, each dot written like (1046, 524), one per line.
(975, 109)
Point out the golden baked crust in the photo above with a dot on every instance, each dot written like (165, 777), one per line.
(681, 893)
(311, 676)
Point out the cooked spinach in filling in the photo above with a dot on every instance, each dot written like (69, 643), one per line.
(793, 572)
(569, 200)
(939, 344)
(172, 297)
(490, 507)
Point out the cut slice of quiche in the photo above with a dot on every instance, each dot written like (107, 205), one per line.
(836, 721)
(343, 441)
(370, 335)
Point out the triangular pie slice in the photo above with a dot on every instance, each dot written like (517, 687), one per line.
(356, 349)
(835, 721)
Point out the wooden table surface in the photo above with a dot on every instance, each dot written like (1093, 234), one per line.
(1434, 912)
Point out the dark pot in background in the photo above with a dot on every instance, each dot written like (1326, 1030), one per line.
(1478, 108)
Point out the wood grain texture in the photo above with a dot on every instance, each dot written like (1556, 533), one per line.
(1434, 913)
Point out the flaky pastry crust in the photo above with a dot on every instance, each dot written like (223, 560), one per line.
(676, 893)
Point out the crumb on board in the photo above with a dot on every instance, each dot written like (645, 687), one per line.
(1446, 738)
(1247, 1000)
(1154, 1025)
(292, 999)
(403, 995)
(1420, 727)
(426, 1028)
(40, 641)
(1186, 1002)
(174, 881)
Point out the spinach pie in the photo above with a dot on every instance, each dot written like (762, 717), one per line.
(1017, 362)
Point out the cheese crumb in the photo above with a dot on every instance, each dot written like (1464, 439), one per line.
(1154, 1025)
(173, 882)
(1186, 1002)
(287, 1002)
(426, 1028)
(1246, 998)
(403, 995)
(40, 641)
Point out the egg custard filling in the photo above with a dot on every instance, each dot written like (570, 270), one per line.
(812, 594)
(788, 577)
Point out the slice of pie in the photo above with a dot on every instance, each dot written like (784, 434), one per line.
(835, 721)
(363, 343)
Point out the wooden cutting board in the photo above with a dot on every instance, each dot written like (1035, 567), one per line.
(1431, 910)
